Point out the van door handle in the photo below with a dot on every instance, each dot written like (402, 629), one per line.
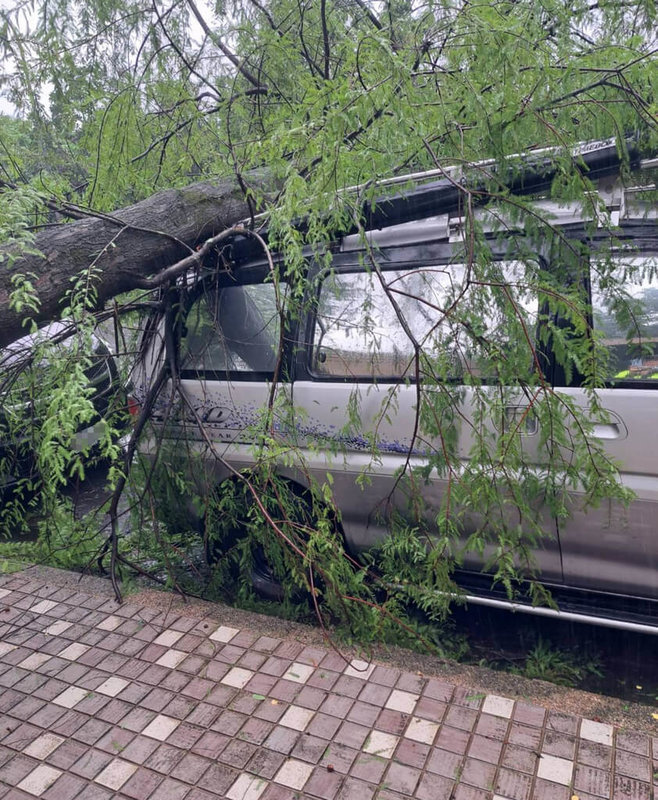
(608, 430)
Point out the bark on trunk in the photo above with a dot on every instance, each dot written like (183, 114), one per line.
(137, 242)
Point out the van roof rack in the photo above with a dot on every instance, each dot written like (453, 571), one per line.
(527, 174)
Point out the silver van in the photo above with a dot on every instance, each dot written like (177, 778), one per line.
(345, 384)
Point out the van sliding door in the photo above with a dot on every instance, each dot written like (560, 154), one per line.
(391, 380)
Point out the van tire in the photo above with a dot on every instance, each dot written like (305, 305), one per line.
(221, 536)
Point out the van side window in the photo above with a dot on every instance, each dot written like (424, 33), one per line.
(365, 326)
(233, 329)
(628, 321)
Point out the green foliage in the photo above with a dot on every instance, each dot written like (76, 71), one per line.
(563, 667)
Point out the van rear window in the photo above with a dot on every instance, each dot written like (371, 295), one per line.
(626, 318)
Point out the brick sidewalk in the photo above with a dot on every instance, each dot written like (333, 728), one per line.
(105, 701)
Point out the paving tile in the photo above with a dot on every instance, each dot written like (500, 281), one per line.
(66, 787)
(139, 749)
(594, 754)
(392, 721)
(520, 758)
(355, 790)
(218, 779)
(359, 669)
(210, 744)
(351, 734)
(498, 706)
(282, 740)
(171, 659)
(402, 701)
(169, 790)
(433, 787)
(223, 634)
(338, 757)
(421, 730)
(168, 638)
(634, 742)
(558, 770)
(309, 748)
(43, 746)
(564, 723)
(633, 766)
(265, 763)
(161, 727)
(630, 789)
(296, 717)
(545, 790)
(237, 677)
(512, 785)
(237, 753)
(40, 779)
(593, 781)
(323, 784)
(247, 787)
(293, 773)
(381, 744)
(478, 773)
(462, 718)
(73, 651)
(34, 661)
(452, 739)
(596, 731)
(70, 697)
(116, 773)
(298, 672)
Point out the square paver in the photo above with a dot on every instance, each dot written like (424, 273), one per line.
(43, 608)
(161, 727)
(402, 701)
(71, 697)
(73, 651)
(498, 706)
(552, 768)
(596, 731)
(381, 744)
(359, 669)
(110, 623)
(293, 773)
(39, 780)
(297, 718)
(421, 730)
(172, 658)
(298, 673)
(237, 677)
(116, 773)
(247, 787)
(43, 746)
(223, 634)
(112, 686)
(58, 627)
(168, 638)
(34, 661)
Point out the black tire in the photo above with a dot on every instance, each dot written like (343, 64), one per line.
(227, 531)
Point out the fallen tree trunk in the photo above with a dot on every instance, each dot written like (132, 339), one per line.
(126, 247)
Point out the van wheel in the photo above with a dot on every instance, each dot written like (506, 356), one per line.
(226, 537)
